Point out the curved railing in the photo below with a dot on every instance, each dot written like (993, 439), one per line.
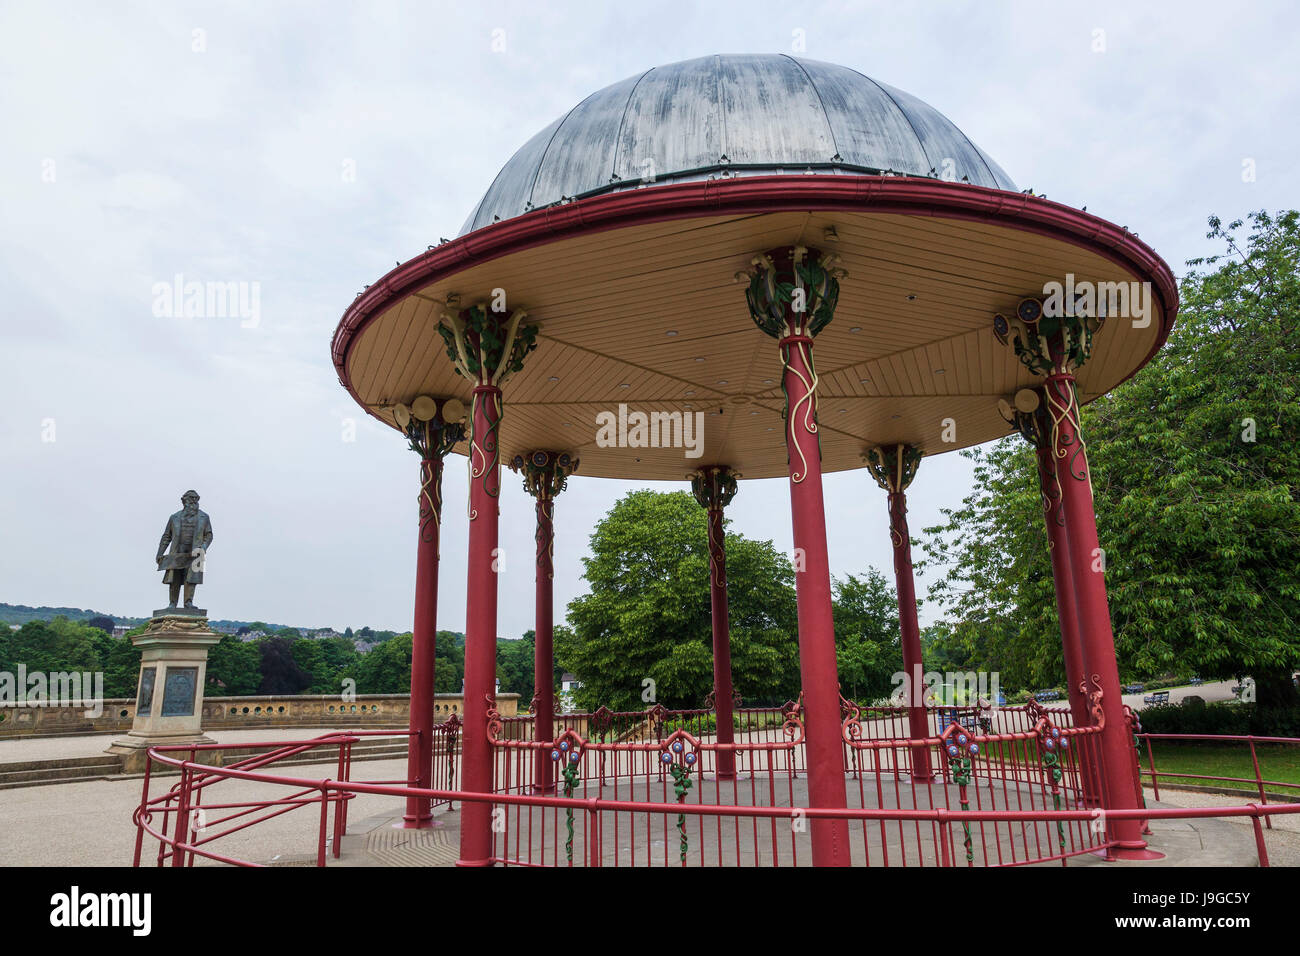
(1026, 792)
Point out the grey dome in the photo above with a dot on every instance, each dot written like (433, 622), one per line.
(732, 115)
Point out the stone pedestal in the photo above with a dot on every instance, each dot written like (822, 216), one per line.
(169, 695)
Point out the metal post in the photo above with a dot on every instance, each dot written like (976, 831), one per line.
(546, 474)
(714, 487)
(481, 624)
(794, 318)
(893, 467)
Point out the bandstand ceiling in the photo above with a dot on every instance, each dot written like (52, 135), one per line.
(911, 344)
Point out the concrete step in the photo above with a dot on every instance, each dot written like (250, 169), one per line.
(31, 773)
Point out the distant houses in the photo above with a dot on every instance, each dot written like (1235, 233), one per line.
(568, 684)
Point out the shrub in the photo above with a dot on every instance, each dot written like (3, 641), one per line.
(1194, 716)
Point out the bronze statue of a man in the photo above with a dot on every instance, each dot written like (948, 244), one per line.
(189, 532)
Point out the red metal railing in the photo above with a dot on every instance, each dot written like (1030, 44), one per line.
(590, 837)
(1256, 783)
(652, 797)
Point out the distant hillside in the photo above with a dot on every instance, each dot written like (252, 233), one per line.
(21, 614)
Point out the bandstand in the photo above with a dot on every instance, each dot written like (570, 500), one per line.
(799, 270)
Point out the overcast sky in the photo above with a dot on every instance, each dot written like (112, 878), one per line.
(215, 141)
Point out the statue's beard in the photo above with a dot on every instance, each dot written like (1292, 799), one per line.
(191, 509)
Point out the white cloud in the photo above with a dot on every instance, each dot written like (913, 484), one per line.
(225, 165)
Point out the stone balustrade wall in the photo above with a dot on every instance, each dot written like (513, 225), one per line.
(234, 713)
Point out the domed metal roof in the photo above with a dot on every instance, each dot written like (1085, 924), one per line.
(732, 115)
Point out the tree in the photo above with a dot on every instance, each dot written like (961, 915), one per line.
(310, 657)
(1195, 469)
(647, 616)
(449, 662)
(280, 672)
(105, 624)
(515, 665)
(234, 666)
(387, 668)
(867, 648)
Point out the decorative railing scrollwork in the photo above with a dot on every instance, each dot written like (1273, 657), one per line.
(1051, 745)
(567, 752)
(961, 749)
(680, 755)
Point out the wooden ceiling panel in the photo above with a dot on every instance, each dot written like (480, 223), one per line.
(605, 303)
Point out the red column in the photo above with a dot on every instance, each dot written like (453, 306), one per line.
(817, 667)
(543, 654)
(480, 623)
(722, 690)
(1058, 546)
(791, 296)
(714, 486)
(1065, 444)
(910, 634)
(485, 347)
(419, 761)
(546, 473)
(894, 467)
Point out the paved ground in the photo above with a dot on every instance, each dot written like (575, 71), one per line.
(15, 749)
(89, 824)
(379, 841)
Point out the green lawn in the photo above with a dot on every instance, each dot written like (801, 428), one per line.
(1277, 762)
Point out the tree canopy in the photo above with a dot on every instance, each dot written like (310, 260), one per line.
(1195, 470)
(647, 615)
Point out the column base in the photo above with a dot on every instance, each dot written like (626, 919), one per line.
(476, 863)
(545, 791)
(415, 823)
(1134, 851)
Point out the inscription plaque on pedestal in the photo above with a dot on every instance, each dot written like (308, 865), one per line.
(178, 691)
(144, 704)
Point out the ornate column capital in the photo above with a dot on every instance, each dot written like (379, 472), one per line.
(433, 427)
(485, 345)
(1049, 337)
(714, 486)
(792, 291)
(893, 466)
(546, 473)
(1024, 413)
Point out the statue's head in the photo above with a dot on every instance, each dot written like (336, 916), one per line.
(190, 500)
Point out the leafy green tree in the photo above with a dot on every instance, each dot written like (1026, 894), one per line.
(234, 667)
(387, 668)
(57, 645)
(647, 615)
(280, 672)
(1196, 466)
(449, 662)
(557, 671)
(866, 635)
(515, 666)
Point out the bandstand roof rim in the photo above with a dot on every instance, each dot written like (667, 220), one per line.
(912, 196)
